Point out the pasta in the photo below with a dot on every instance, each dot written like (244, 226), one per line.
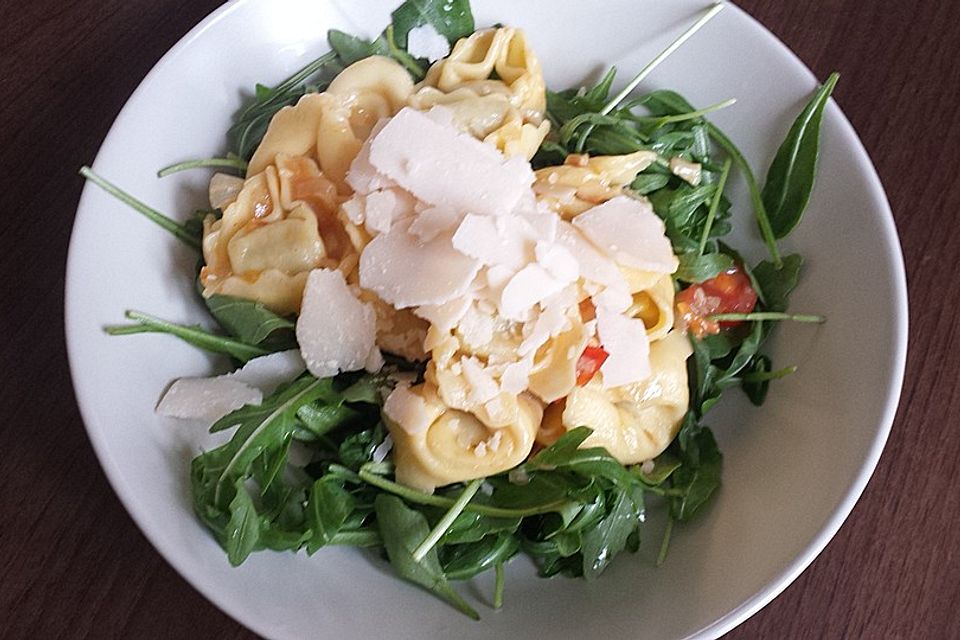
(635, 422)
(494, 382)
(584, 182)
(331, 126)
(507, 112)
(280, 226)
(447, 445)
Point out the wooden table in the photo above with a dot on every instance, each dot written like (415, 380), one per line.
(73, 564)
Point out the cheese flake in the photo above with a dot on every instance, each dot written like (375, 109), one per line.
(630, 232)
(426, 42)
(268, 372)
(433, 221)
(531, 285)
(444, 167)
(494, 241)
(408, 410)
(335, 330)
(444, 316)
(363, 177)
(383, 207)
(207, 399)
(407, 272)
(483, 387)
(625, 340)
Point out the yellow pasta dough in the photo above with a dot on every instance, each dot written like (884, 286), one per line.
(506, 112)
(583, 182)
(281, 225)
(331, 126)
(634, 422)
(455, 446)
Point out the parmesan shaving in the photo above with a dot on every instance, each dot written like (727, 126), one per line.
(335, 330)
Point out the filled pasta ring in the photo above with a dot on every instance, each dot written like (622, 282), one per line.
(281, 224)
(584, 182)
(634, 422)
(331, 126)
(504, 51)
(434, 445)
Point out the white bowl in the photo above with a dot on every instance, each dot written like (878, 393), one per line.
(793, 469)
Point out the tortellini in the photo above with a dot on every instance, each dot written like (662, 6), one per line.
(583, 182)
(634, 422)
(281, 225)
(653, 296)
(332, 125)
(554, 373)
(440, 445)
(506, 112)
(454, 370)
(492, 387)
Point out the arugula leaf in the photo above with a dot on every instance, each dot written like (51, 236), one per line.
(402, 529)
(328, 508)
(694, 268)
(473, 527)
(776, 283)
(352, 48)
(591, 462)
(243, 529)
(646, 183)
(794, 168)
(451, 18)
(464, 561)
(185, 234)
(322, 417)
(663, 466)
(696, 482)
(357, 449)
(608, 538)
(250, 123)
(756, 390)
(260, 429)
(665, 102)
(247, 320)
(194, 335)
(366, 389)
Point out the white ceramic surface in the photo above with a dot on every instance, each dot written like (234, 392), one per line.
(793, 469)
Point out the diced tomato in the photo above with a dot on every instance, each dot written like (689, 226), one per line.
(728, 292)
(589, 363)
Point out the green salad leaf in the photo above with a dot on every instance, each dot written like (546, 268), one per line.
(402, 529)
(247, 320)
(792, 172)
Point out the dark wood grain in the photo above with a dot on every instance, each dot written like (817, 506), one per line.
(73, 565)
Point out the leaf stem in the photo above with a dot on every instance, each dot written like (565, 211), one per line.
(759, 210)
(230, 162)
(402, 56)
(665, 544)
(418, 497)
(761, 376)
(663, 55)
(498, 586)
(660, 491)
(714, 206)
(693, 115)
(447, 520)
(768, 315)
(357, 538)
(193, 335)
(166, 223)
(648, 69)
